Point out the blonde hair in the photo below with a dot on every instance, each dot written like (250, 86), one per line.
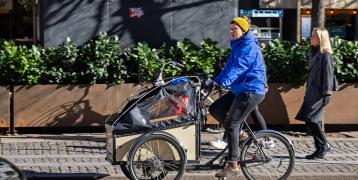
(324, 42)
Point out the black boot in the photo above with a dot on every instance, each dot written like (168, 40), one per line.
(313, 155)
(324, 150)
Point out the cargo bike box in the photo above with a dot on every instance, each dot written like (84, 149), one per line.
(170, 110)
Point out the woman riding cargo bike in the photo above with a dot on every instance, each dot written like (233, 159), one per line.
(157, 136)
(244, 74)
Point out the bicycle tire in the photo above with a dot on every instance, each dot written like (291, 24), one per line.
(160, 164)
(279, 146)
(125, 170)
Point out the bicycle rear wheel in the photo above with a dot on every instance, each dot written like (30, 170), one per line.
(157, 157)
(270, 157)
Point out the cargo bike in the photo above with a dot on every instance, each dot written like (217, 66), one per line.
(157, 136)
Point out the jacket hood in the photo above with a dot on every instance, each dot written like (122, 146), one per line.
(249, 36)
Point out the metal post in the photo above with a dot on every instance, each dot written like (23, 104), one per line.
(10, 26)
(11, 130)
(34, 22)
(298, 22)
(356, 28)
(238, 9)
(281, 27)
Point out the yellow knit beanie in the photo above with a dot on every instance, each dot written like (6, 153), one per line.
(243, 23)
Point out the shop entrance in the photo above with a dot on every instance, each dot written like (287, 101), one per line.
(339, 22)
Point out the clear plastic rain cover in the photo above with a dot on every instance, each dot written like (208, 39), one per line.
(165, 107)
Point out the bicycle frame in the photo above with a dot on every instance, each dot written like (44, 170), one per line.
(211, 165)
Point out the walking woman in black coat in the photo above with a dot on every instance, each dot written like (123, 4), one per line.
(320, 84)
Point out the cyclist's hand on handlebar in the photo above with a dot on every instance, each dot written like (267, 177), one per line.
(210, 84)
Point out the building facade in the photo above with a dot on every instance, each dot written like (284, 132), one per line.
(50, 22)
(341, 16)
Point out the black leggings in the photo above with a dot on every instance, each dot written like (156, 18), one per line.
(258, 118)
(231, 111)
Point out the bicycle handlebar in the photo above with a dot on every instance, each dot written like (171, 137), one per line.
(209, 90)
(159, 81)
(176, 64)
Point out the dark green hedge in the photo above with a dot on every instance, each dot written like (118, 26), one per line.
(103, 61)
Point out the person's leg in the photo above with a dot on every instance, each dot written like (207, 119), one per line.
(261, 123)
(219, 108)
(258, 118)
(325, 147)
(312, 129)
(242, 106)
(320, 140)
(318, 134)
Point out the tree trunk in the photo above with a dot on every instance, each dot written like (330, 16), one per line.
(318, 14)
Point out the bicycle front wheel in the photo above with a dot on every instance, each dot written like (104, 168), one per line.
(125, 170)
(157, 157)
(271, 156)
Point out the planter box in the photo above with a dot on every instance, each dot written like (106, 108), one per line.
(67, 105)
(4, 107)
(90, 105)
(283, 102)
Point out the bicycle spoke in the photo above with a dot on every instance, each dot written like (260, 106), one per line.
(158, 148)
(171, 166)
(166, 152)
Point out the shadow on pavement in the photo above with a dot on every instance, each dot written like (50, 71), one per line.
(61, 137)
(10, 171)
(31, 175)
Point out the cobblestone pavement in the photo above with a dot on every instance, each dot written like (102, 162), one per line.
(81, 156)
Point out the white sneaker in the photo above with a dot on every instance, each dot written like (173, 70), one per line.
(219, 144)
(268, 144)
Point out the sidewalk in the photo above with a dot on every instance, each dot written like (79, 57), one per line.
(81, 156)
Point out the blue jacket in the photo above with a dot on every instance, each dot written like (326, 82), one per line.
(245, 69)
